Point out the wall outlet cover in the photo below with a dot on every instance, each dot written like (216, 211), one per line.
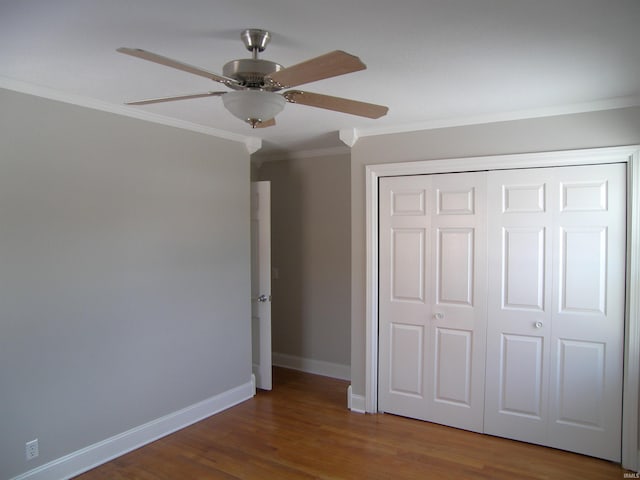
(31, 449)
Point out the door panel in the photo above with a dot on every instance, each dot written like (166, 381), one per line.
(557, 319)
(523, 268)
(404, 283)
(405, 371)
(588, 319)
(408, 202)
(457, 325)
(407, 264)
(432, 320)
(521, 376)
(580, 383)
(453, 366)
(583, 283)
(523, 198)
(454, 275)
(261, 283)
(455, 201)
(584, 196)
(519, 299)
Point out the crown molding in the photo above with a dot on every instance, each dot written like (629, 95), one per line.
(608, 104)
(349, 136)
(252, 144)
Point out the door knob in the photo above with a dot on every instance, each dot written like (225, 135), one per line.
(438, 315)
(263, 298)
(538, 324)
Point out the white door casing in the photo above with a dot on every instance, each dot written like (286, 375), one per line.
(556, 307)
(261, 283)
(629, 155)
(433, 314)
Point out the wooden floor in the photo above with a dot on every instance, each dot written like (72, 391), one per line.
(302, 430)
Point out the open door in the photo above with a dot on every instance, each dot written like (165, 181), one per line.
(261, 282)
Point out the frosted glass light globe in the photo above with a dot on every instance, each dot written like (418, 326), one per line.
(253, 106)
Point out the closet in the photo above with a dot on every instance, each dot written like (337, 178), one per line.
(501, 303)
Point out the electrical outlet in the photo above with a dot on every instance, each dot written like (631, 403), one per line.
(31, 449)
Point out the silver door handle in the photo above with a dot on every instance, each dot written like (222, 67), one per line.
(438, 315)
(263, 298)
(538, 324)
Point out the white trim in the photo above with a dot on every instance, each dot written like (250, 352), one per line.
(132, 112)
(253, 144)
(630, 402)
(627, 154)
(355, 403)
(309, 365)
(371, 285)
(348, 136)
(609, 104)
(90, 457)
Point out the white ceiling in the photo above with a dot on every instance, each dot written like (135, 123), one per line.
(432, 62)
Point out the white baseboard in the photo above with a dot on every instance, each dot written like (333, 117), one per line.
(90, 457)
(318, 367)
(355, 402)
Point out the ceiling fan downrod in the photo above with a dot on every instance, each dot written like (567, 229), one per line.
(256, 40)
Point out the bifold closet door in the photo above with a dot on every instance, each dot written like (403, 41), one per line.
(556, 307)
(433, 298)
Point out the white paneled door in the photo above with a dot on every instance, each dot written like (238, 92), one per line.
(433, 298)
(261, 283)
(556, 307)
(523, 270)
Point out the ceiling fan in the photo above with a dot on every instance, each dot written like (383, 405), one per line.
(255, 82)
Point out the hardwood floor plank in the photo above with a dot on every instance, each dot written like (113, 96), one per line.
(302, 430)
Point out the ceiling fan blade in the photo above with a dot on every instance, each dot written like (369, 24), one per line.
(179, 97)
(169, 62)
(336, 104)
(266, 123)
(328, 65)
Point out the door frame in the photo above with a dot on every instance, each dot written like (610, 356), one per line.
(626, 154)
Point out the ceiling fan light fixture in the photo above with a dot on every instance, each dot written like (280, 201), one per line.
(253, 106)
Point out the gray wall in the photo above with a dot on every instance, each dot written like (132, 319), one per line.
(311, 250)
(124, 274)
(585, 130)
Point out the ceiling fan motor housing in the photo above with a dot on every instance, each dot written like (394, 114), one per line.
(250, 73)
